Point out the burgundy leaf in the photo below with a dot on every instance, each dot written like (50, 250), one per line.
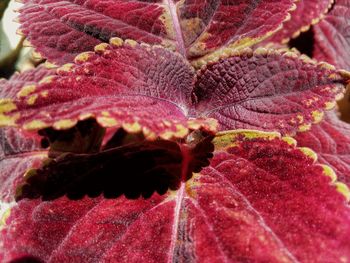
(151, 89)
(332, 40)
(307, 13)
(19, 150)
(137, 87)
(18, 153)
(268, 90)
(331, 141)
(62, 29)
(261, 200)
(9, 88)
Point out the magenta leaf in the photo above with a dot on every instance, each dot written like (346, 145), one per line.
(261, 199)
(137, 87)
(19, 150)
(18, 153)
(265, 89)
(9, 88)
(307, 13)
(62, 29)
(331, 141)
(332, 41)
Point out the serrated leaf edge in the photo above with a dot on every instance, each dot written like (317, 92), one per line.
(103, 118)
(225, 139)
(305, 28)
(242, 43)
(316, 116)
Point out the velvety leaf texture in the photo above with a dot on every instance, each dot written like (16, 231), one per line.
(331, 141)
(150, 89)
(18, 153)
(266, 90)
(9, 88)
(62, 29)
(307, 13)
(19, 150)
(131, 86)
(229, 212)
(332, 40)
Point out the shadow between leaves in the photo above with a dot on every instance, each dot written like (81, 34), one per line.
(127, 164)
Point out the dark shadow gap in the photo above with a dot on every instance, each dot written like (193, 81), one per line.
(127, 165)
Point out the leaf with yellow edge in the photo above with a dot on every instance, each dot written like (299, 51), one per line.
(306, 14)
(60, 30)
(331, 140)
(260, 200)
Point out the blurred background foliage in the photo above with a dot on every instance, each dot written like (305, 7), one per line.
(13, 56)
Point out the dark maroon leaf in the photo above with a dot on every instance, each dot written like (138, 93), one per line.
(260, 200)
(265, 89)
(19, 150)
(331, 141)
(268, 90)
(136, 87)
(62, 29)
(307, 13)
(332, 40)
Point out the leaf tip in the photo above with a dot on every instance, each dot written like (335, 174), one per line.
(100, 48)
(64, 124)
(35, 125)
(7, 105)
(65, 68)
(107, 122)
(32, 99)
(132, 127)
(49, 65)
(309, 153)
(4, 216)
(290, 140)
(330, 105)
(317, 116)
(149, 135)
(304, 127)
(47, 79)
(116, 41)
(83, 57)
(340, 187)
(325, 65)
(130, 42)
(328, 171)
(344, 190)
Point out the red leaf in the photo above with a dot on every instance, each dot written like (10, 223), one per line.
(261, 200)
(307, 13)
(331, 141)
(9, 88)
(240, 89)
(137, 87)
(62, 29)
(19, 151)
(267, 90)
(332, 41)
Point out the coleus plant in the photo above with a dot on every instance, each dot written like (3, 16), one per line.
(164, 133)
